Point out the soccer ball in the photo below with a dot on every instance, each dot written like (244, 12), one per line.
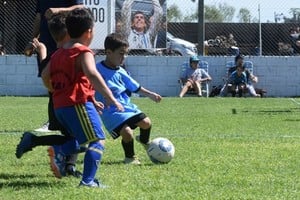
(161, 150)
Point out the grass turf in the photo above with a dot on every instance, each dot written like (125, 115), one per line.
(226, 148)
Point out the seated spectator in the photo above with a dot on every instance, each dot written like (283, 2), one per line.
(193, 77)
(246, 87)
(237, 82)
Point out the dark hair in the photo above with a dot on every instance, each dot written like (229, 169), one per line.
(239, 56)
(79, 21)
(57, 26)
(145, 17)
(138, 12)
(114, 41)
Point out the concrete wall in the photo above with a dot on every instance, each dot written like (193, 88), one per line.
(278, 75)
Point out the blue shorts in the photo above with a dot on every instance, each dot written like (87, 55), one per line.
(82, 121)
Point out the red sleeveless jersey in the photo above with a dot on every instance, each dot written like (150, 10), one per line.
(70, 86)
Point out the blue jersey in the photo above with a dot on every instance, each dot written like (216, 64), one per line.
(119, 82)
(236, 79)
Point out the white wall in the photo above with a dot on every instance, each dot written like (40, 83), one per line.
(278, 75)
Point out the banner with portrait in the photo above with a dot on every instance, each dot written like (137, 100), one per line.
(143, 23)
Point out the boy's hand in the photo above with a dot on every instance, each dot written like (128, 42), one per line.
(99, 106)
(38, 46)
(119, 106)
(155, 97)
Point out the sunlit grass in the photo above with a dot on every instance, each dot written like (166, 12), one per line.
(253, 154)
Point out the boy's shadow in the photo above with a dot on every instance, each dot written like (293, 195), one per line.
(21, 181)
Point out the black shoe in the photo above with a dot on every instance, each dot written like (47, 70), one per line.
(71, 171)
(25, 144)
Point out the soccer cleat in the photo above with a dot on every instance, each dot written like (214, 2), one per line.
(25, 144)
(57, 161)
(44, 128)
(71, 171)
(95, 183)
(146, 146)
(132, 161)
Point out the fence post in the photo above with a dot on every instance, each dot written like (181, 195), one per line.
(201, 26)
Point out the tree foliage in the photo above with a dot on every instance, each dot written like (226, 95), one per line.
(221, 13)
(174, 13)
(244, 15)
(212, 13)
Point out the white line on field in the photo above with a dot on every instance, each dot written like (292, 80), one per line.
(294, 100)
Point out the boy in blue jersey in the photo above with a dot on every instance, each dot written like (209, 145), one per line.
(238, 81)
(119, 82)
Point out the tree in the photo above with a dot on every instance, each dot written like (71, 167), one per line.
(174, 14)
(222, 13)
(296, 14)
(212, 13)
(227, 12)
(244, 15)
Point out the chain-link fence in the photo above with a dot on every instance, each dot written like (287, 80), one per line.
(248, 27)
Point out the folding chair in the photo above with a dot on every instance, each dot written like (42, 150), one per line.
(204, 86)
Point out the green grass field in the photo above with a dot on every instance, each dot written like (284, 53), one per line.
(226, 148)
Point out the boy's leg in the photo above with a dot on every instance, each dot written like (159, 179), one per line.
(58, 153)
(84, 122)
(92, 159)
(29, 141)
(54, 124)
(128, 145)
(197, 87)
(145, 129)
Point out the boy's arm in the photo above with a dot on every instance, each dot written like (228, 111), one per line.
(89, 69)
(152, 95)
(40, 48)
(52, 11)
(28, 50)
(126, 18)
(46, 77)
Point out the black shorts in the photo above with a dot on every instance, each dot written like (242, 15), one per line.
(131, 122)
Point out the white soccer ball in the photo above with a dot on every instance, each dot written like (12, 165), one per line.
(161, 150)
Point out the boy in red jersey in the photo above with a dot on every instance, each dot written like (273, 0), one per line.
(72, 76)
(58, 30)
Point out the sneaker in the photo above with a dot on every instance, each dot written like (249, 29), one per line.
(132, 161)
(25, 144)
(44, 128)
(146, 146)
(71, 171)
(57, 161)
(94, 183)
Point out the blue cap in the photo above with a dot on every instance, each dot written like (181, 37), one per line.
(194, 58)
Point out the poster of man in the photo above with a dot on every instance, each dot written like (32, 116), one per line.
(140, 21)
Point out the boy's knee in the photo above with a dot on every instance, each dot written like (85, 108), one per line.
(146, 123)
(97, 146)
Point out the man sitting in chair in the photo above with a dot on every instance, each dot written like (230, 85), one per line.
(248, 86)
(192, 77)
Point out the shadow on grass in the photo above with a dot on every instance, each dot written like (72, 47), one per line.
(120, 162)
(269, 111)
(115, 162)
(292, 120)
(19, 182)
